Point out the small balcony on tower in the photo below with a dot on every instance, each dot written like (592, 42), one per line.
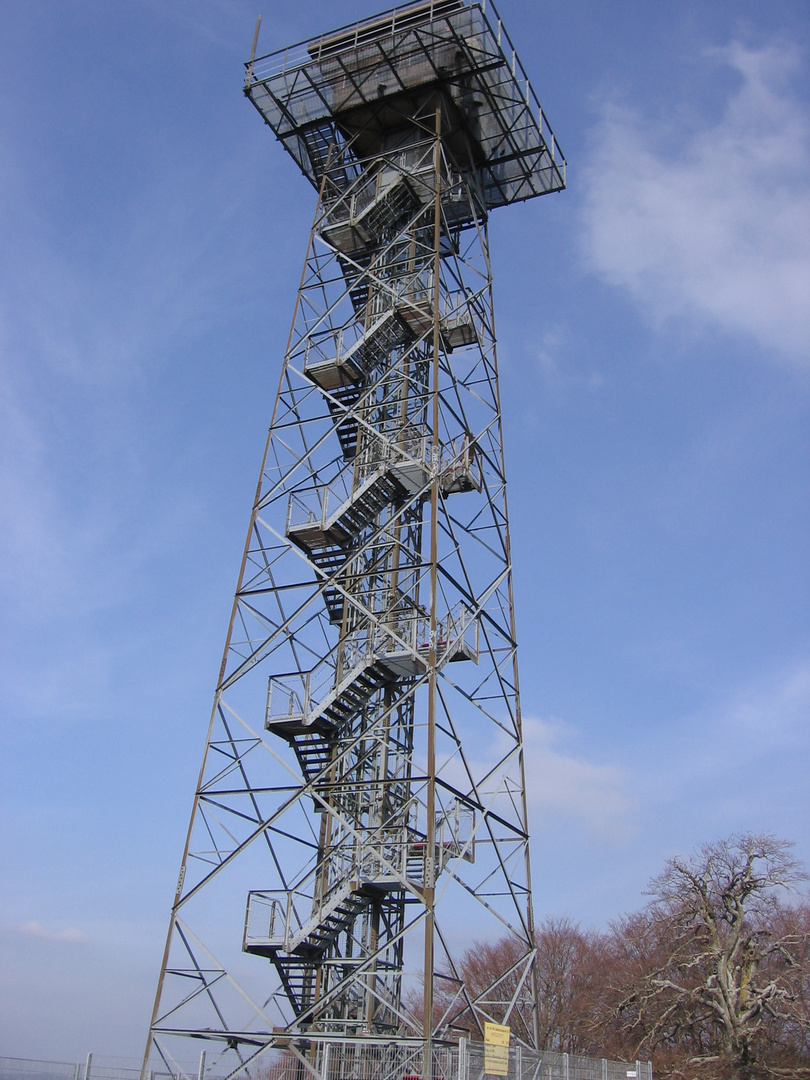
(460, 469)
(414, 303)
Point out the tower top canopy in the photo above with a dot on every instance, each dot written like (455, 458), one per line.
(360, 89)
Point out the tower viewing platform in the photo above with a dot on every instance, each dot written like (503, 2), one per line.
(357, 89)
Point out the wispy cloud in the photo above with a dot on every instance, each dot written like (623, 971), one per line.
(561, 786)
(553, 356)
(768, 716)
(741, 763)
(717, 231)
(70, 936)
(563, 789)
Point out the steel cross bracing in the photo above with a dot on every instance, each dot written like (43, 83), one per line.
(362, 796)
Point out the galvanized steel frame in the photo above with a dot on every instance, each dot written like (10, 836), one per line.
(387, 797)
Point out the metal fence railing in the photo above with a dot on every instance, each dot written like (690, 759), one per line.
(344, 1059)
(94, 1067)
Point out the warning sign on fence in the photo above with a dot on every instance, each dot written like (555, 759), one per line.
(496, 1049)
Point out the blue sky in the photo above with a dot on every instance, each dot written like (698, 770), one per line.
(653, 326)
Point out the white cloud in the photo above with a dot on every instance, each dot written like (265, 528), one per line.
(716, 232)
(562, 790)
(71, 936)
(739, 764)
(767, 717)
(561, 787)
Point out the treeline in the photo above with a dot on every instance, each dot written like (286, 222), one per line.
(711, 979)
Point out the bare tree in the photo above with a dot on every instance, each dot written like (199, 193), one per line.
(711, 978)
(571, 968)
(714, 967)
(786, 1027)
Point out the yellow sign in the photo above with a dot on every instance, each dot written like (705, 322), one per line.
(496, 1049)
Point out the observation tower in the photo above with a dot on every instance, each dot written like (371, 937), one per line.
(360, 816)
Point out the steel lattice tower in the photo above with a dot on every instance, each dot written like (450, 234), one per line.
(361, 808)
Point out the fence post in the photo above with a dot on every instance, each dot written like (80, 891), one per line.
(201, 1069)
(87, 1066)
(76, 1069)
(462, 1058)
(604, 1068)
(565, 1067)
(325, 1061)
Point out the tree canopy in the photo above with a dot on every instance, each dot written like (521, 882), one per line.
(711, 978)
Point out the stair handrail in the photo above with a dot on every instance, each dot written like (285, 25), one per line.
(408, 443)
(357, 648)
(318, 347)
(300, 510)
(322, 908)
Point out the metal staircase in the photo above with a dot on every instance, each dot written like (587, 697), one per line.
(346, 699)
(353, 361)
(341, 402)
(295, 946)
(385, 636)
(314, 754)
(372, 670)
(355, 222)
(314, 523)
(385, 640)
(294, 952)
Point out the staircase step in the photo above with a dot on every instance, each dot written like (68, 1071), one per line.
(348, 425)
